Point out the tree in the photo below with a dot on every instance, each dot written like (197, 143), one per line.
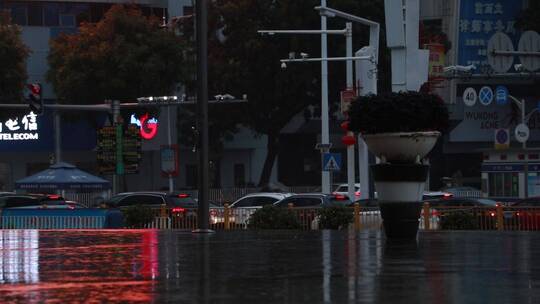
(528, 18)
(242, 60)
(13, 55)
(124, 56)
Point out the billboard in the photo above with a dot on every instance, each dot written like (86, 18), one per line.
(478, 21)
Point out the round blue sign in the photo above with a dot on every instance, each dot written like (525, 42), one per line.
(485, 95)
(501, 95)
(502, 136)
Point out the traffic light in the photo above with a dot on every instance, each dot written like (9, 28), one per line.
(35, 102)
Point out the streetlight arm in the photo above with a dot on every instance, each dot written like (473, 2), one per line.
(517, 101)
(328, 59)
(314, 32)
(330, 12)
(528, 116)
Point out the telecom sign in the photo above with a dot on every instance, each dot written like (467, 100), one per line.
(21, 128)
(485, 95)
(479, 20)
(331, 162)
(501, 95)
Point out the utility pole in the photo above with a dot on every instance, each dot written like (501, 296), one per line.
(325, 133)
(202, 113)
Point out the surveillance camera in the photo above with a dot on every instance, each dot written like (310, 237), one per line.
(283, 65)
(519, 67)
(304, 55)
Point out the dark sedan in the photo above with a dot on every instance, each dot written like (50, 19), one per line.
(313, 200)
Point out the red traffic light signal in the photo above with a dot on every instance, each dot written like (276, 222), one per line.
(36, 104)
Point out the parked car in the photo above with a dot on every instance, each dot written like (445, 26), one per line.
(152, 199)
(178, 202)
(442, 207)
(25, 200)
(313, 200)
(430, 195)
(523, 214)
(366, 203)
(463, 191)
(343, 189)
(259, 199)
(461, 202)
(243, 207)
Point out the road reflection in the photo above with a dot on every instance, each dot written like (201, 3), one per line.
(64, 266)
(150, 266)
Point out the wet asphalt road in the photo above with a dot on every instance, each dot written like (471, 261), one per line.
(138, 266)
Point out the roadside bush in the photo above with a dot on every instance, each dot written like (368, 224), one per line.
(271, 217)
(335, 217)
(137, 216)
(459, 220)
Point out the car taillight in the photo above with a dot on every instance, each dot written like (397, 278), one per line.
(447, 195)
(178, 210)
(183, 195)
(53, 196)
(340, 197)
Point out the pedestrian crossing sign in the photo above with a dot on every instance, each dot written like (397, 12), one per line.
(331, 161)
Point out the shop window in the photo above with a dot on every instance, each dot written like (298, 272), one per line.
(191, 176)
(51, 14)
(18, 13)
(504, 184)
(67, 20)
(239, 175)
(35, 14)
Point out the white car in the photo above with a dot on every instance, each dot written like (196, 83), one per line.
(343, 189)
(243, 207)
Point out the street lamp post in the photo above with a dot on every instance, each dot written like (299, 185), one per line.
(372, 55)
(524, 121)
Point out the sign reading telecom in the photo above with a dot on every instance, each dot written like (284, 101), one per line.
(478, 21)
(20, 128)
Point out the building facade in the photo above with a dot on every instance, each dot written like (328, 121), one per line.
(240, 164)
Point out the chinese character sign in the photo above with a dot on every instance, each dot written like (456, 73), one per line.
(436, 61)
(478, 21)
(20, 128)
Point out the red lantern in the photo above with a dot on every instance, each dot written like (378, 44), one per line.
(348, 140)
(345, 126)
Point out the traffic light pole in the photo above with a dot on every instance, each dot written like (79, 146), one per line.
(202, 113)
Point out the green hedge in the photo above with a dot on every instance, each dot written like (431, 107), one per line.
(335, 217)
(271, 217)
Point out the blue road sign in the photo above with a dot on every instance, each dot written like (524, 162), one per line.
(501, 95)
(485, 95)
(331, 161)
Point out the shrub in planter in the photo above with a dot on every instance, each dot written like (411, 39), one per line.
(459, 220)
(398, 112)
(137, 216)
(271, 217)
(335, 217)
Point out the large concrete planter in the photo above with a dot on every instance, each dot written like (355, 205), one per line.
(400, 188)
(401, 147)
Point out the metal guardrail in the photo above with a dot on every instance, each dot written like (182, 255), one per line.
(226, 218)
(52, 222)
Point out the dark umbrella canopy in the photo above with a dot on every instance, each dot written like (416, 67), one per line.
(63, 176)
